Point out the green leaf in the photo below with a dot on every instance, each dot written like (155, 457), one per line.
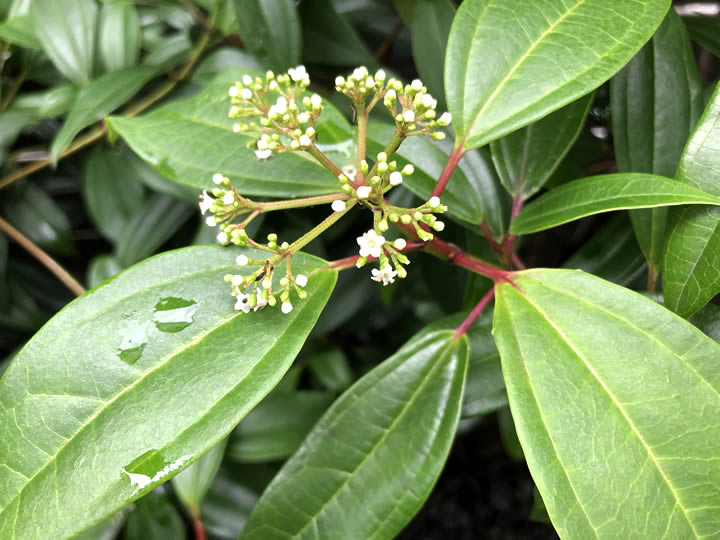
(4, 293)
(193, 483)
(221, 59)
(13, 122)
(615, 400)
(68, 35)
(705, 31)
(190, 140)
(275, 429)
(271, 31)
(527, 158)
(692, 249)
(565, 49)
(363, 453)
(150, 227)
(53, 102)
(604, 193)
(650, 137)
(101, 268)
(117, 393)
(112, 196)
(708, 321)
(331, 368)
(119, 43)
(19, 31)
(98, 99)
(154, 518)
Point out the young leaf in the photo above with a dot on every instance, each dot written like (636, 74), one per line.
(527, 158)
(119, 45)
(615, 400)
(650, 138)
(692, 250)
(126, 401)
(67, 30)
(101, 97)
(192, 484)
(604, 193)
(359, 454)
(271, 31)
(154, 518)
(493, 52)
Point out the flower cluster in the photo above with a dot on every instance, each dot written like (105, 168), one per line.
(285, 122)
(224, 205)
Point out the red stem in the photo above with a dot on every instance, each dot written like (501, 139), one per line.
(475, 313)
(493, 244)
(199, 529)
(517, 205)
(450, 165)
(349, 262)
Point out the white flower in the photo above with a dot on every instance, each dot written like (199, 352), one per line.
(380, 75)
(205, 202)
(217, 178)
(409, 116)
(262, 144)
(233, 91)
(338, 206)
(243, 303)
(339, 81)
(261, 302)
(298, 73)
(286, 307)
(315, 101)
(363, 192)
(416, 84)
(396, 178)
(237, 128)
(428, 101)
(370, 244)
(263, 154)
(237, 279)
(229, 198)
(210, 220)
(445, 119)
(438, 226)
(386, 274)
(359, 73)
(305, 141)
(242, 260)
(246, 94)
(408, 169)
(400, 243)
(434, 202)
(303, 117)
(247, 80)
(301, 280)
(222, 238)
(350, 171)
(390, 95)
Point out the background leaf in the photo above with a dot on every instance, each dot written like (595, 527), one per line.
(154, 518)
(192, 484)
(19, 31)
(493, 52)
(103, 372)
(119, 38)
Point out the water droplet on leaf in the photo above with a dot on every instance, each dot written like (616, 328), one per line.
(134, 339)
(174, 314)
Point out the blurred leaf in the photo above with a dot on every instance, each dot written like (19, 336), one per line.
(508, 435)
(53, 102)
(707, 320)
(705, 31)
(221, 59)
(331, 368)
(690, 266)
(100, 98)
(538, 512)
(192, 484)
(526, 159)
(12, 123)
(270, 31)
(150, 227)
(102, 267)
(328, 39)
(597, 194)
(119, 39)
(362, 453)
(154, 518)
(277, 426)
(68, 35)
(157, 182)
(37, 216)
(107, 529)
(102, 371)
(19, 31)
(507, 67)
(112, 196)
(4, 294)
(353, 292)
(169, 52)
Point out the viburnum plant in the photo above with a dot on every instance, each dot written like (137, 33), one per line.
(287, 393)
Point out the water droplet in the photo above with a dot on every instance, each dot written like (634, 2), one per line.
(134, 339)
(174, 314)
(151, 466)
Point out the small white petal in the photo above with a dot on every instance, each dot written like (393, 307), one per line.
(338, 206)
(247, 80)
(233, 91)
(229, 198)
(396, 178)
(246, 93)
(303, 118)
(301, 280)
(222, 237)
(316, 101)
(262, 144)
(263, 154)
(363, 192)
(305, 141)
(417, 84)
(218, 178)
(400, 243)
(445, 119)
(391, 95)
(409, 116)
(408, 170)
(243, 303)
(205, 202)
(242, 260)
(210, 220)
(286, 307)
(237, 279)
(434, 202)
(237, 128)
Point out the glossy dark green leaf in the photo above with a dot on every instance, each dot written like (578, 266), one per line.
(331, 368)
(655, 101)
(102, 267)
(119, 35)
(692, 250)
(271, 31)
(37, 216)
(506, 67)
(98, 99)
(362, 455)
(112, 196)
(68, 35)
(150, 227)
(275, 429)
(192, 484)
(154, 518)
(598, 194)
(705, 31)
(527, 158)
(19, 31)
(190, 140)
(613, 398)
(708, 321)
(102, 371)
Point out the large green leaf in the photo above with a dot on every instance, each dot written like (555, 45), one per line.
(101, 97)
(351, 477)
(656, 100)
(119, 39)
(271, 31)
(190, 140)
(510, 63)
(67, 33)
(105, 402)
(527, 158)
(692, 250)
(616, 402)
(604, 193)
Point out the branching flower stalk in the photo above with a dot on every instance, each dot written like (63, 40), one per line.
(281, 115)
